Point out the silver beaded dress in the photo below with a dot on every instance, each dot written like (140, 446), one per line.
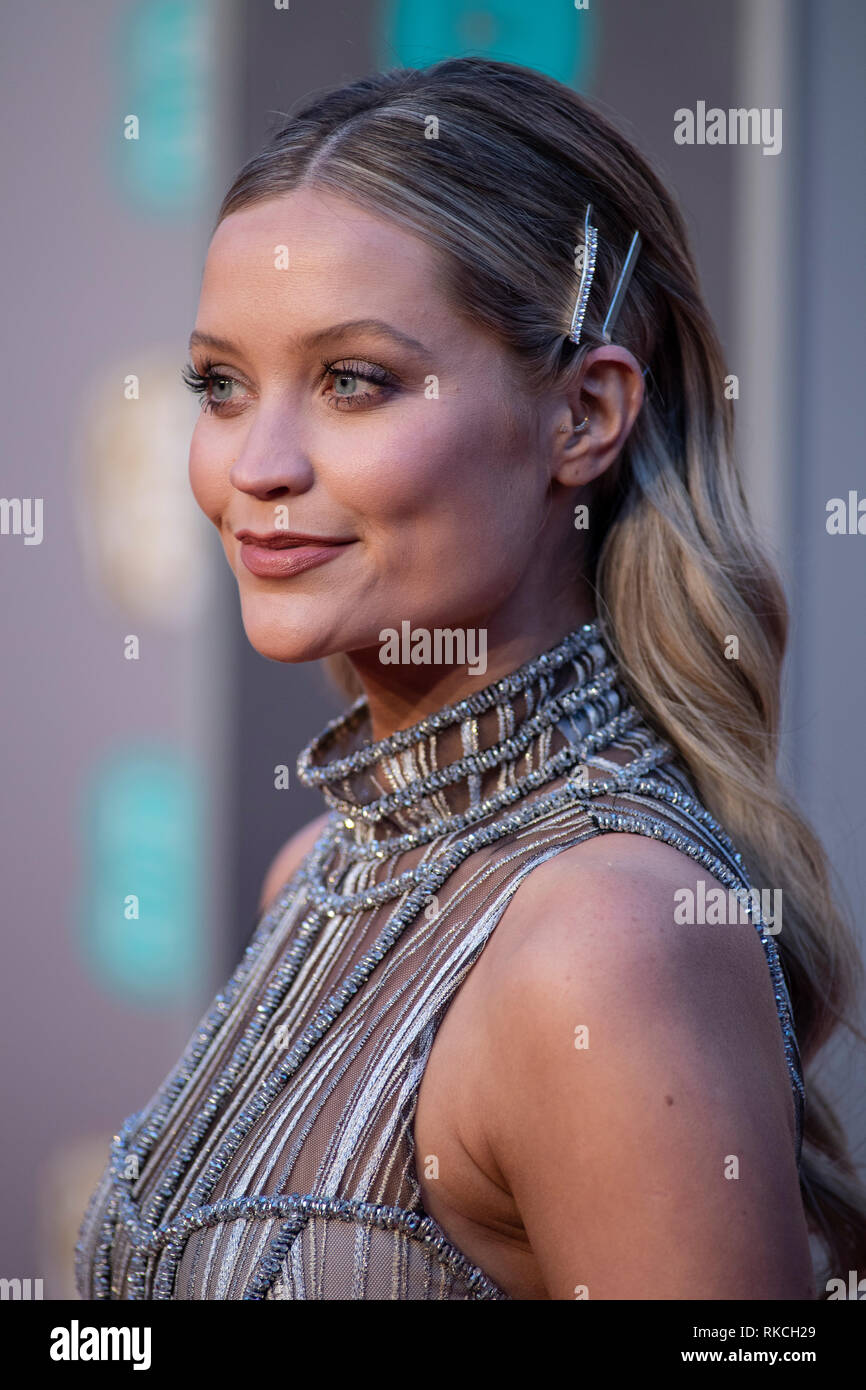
(277, 1160)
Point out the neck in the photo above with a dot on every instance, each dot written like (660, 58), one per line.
(402, 691)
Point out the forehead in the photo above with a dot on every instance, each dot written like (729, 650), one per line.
(309, 252)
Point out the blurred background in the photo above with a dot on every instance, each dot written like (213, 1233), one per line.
(140, 730)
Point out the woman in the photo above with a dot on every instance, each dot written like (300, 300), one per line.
(465, 436)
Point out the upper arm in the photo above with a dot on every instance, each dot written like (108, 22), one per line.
(657, 1160)
(288, 859)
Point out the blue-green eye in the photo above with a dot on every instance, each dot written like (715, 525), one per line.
(204, 384)
(346, 384)
(347, 375)
(209, 383)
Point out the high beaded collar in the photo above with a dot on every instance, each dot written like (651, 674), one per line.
(469, 756)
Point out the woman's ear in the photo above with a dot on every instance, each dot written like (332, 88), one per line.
(598, 414)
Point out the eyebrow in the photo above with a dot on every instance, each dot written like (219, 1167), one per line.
(378, 326)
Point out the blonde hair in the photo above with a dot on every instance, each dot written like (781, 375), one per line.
(498, 196)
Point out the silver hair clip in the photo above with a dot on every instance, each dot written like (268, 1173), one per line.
(590, 248)
(590, 245)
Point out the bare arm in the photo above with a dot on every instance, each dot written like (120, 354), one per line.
(657, 1161)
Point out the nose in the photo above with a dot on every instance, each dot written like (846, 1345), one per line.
(273, 459)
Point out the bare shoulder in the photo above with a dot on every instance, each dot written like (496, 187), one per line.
(634, 1083)
(603, 916)
(288, 859)
(595, 932)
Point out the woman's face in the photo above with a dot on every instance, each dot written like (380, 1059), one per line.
(430, 476)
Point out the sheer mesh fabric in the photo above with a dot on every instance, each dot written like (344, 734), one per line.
(311, 1190)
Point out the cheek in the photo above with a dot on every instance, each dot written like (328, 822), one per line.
(447, 504)
(208, 477)
(438, 469)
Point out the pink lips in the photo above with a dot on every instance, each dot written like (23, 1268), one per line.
(281, 553)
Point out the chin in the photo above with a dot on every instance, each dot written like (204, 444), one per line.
(277, 632)
(275, 647)
(282, 627)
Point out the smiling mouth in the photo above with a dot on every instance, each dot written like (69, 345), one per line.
(282, 555)
(286, 540)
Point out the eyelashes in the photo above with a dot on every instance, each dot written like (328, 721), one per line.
(360, 371)
(201, 384)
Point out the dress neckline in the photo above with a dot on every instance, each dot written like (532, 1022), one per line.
(479, 750)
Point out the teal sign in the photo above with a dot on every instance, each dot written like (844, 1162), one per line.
(161, 139)
(552, 36)
(141, 915)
